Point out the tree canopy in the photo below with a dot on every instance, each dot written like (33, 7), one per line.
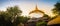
(56, 10)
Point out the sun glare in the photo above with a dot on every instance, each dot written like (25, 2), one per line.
(36, 15)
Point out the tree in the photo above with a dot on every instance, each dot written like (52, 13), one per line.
(56, 10)
(14, 11)
(21, 19)
(41, 23)
(5, 19)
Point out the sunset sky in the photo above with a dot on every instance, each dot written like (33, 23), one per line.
(28, 5)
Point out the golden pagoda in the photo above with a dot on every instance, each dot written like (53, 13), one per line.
(36, 11)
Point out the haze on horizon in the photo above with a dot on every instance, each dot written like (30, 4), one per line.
(28, 5)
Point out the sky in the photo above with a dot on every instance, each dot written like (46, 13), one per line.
(28, 5)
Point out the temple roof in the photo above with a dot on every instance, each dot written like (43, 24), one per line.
(36, 11)
(54, 21)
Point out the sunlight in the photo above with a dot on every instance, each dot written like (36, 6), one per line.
(36, 15)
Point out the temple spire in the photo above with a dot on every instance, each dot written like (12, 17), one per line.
(36, 11)
(36, 8)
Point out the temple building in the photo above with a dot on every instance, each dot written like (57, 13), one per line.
(35, 19)
(36, 13)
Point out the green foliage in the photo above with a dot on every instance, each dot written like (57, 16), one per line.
(5, 19)
(44, 20)
(41, 23)
(56, 10)
(12, 13)
(57, 5)
(22, 19)
(14, 10)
